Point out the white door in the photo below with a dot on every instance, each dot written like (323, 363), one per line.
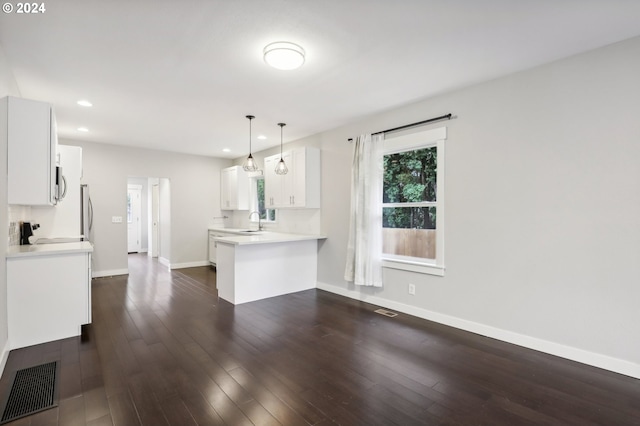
(155, 219)
(134, 211)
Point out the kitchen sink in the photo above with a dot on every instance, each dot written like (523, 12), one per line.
(249, 230)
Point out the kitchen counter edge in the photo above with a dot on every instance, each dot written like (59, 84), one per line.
(49, 249)
(265, 237)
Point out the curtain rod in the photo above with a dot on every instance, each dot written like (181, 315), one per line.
(406, 126)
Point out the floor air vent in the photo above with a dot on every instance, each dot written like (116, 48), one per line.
(34, 389)
(386, 313)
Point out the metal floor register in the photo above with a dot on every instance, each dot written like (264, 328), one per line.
(34, 389)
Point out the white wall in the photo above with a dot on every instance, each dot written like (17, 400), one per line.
(542, 209)
(195, 200)
(8, 84)
(8, 87)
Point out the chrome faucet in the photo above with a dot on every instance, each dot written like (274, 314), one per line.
(259, 219)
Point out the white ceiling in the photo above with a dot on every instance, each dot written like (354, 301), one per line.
(182, 75)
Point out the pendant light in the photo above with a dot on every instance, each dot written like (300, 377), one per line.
(281, 167)
(250, 164)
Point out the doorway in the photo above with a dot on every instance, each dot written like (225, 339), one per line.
(134, 215)
(153, 236)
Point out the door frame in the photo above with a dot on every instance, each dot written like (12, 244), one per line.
(138, 189)
(154, 244)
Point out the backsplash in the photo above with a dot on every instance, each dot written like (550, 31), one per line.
(294, 221)
(17, 214)
(14, 234)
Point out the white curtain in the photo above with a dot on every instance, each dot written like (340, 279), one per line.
(364, 250)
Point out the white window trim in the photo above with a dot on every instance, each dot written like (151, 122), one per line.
(411, 266)
(410, 142)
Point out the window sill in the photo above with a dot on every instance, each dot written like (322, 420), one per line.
(419, 267)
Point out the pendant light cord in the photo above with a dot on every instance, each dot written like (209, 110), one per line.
(250, 117)
(281, 126)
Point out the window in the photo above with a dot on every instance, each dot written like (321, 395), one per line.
(412, 207)
(258, 203)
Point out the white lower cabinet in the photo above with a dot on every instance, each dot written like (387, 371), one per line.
(213, 245)
(212, 249)
(49, 297)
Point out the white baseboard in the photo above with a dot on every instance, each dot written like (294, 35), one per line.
(590, 358)
(189, 264)
(164, 261)
(109, 273)
(5, 356)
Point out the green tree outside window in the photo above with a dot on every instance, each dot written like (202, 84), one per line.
(410, 177)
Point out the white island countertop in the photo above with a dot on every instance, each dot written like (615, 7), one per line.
(49, 249)
(241, 237)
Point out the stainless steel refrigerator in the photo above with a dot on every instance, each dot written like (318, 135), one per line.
(86, 213)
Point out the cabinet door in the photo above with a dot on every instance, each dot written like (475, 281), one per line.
(48, 297)
(298, 185)
(298, 188)
(228, 193)
(31, 150)
(289, 180)
(212, 248)
(234, 189)
(272, 183)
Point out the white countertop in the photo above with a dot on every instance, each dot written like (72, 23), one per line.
(261, 237)
(49, 249)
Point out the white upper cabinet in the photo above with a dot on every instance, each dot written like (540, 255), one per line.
(272, 183)
(234, 189)
(300, 187)
(30, 132)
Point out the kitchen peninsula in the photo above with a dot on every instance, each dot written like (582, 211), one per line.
(257, 265)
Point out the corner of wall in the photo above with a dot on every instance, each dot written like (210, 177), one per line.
(8, 83)
(4, 356)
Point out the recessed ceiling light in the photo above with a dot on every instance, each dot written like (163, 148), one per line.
(284, 55)
(82, 129)
(262, 137)
(226, 150)
(85, 103)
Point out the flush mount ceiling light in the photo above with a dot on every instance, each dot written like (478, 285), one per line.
(281, 167)
(82, 129)
(84, 103)
(284, 55)
(250, 164)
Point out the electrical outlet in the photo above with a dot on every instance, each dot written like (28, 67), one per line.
(412, 289)
(116, 219)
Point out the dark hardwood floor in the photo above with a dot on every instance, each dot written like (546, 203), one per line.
(163, 350)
